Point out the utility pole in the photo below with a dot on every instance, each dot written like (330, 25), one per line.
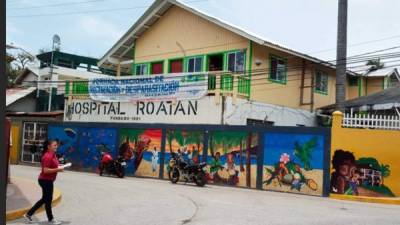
(56, 41)
(341, 54)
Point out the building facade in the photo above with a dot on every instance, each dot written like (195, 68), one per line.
(172, 37)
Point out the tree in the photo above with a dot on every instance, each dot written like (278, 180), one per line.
(304, 152)
(23, 59)
(11, 71)
(385, 171)
(375, 64)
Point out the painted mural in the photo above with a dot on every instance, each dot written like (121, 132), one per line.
(68, 144)
(142, 149)
(293, 163)
(187, 143)
(94, 141)
(363, 176)
(232, 158)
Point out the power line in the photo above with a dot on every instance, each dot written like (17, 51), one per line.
(53, 5)
(360, 43)
(90, 11)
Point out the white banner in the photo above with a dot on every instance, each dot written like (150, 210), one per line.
(201, 111)
(149, 88)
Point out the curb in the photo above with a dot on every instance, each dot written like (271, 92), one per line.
(18, 213)
(393, 201)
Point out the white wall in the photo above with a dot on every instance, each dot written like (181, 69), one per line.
(281, 116)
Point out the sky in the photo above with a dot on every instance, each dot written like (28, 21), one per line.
(92, 27)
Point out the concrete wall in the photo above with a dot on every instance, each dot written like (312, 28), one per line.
(377, 149)
(238, 113)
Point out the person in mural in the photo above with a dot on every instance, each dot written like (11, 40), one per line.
(154, 159)
(287, 172)
(230, 168)
(354, 182)
(344, 165)
(48, 174)
(215, 166)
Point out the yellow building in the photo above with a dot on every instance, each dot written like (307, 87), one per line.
(171, 37)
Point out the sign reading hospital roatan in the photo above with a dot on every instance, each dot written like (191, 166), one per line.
(199, 111)
(149, 88)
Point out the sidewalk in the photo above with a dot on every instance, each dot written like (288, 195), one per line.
(393, 200)
(22, 194)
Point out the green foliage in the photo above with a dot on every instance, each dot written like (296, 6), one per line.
(228, 139)
(372, 162)
(385, 170)
(375, 64)
(304, 152)
(132, 134)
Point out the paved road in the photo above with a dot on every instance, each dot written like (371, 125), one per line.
(92, 200)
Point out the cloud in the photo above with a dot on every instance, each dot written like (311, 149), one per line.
(96, 27)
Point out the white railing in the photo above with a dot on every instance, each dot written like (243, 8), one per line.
(371, 121)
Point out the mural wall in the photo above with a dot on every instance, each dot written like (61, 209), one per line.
(188, 143)
(365, 162)
(290, 162)
(83, 146)
(141, 148)
(68, 144)
(293, 163)
(232, 158)
(94, 141)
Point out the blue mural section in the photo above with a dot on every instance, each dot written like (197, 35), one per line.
(68, 143)
(293, 162)
(83, 146)
(94, 141)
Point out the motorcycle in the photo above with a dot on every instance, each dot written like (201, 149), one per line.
(189, 172)
(111, 166)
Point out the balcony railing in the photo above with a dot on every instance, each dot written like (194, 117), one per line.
(218, 82)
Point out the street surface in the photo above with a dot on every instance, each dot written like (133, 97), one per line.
(88, 199)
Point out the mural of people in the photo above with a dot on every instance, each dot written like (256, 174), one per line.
(293, 163)
(188, 143)
(232, 158)
(154, 159)
(358, 177)
(140, 147)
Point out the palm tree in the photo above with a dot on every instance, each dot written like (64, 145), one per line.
(304, 152)
(385, 171)
(170, 138)
(375, 64)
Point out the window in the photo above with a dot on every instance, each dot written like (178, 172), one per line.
(277, 70)
(254, 122)
(157, 67)
(321, 82)
(34, 134)
(195, 64)
(176, 66)
(236, 61)
(353, 81)
(141, 69)
(393, 80)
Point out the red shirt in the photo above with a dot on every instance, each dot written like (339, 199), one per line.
(49, 160)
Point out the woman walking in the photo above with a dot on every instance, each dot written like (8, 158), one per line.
(50, 168)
